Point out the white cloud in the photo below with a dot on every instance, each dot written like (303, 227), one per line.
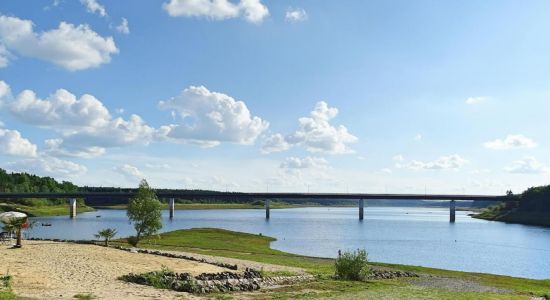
(61, 110)
(93, 7)
(123, 27)
(5, 56)
(209, 118)
(130, 172)
(251, 10)
(386, 171)
(5, 91)
(12, 143)
(85, 123)
(516, 141)
(318, 135)
(398, 158)
(475, 100)
(304, 163)
(48, 166)
(418, 137)
(454, 161)
(294, 15)
(71, 47)
(55, 147)
(527, 165)
(275, 143)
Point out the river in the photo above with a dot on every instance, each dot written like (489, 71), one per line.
(403, 235)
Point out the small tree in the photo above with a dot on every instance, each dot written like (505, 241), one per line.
(107, 234)
(17, 225)
(145, 212)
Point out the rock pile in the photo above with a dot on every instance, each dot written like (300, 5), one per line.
(389, 274)
(250, 280)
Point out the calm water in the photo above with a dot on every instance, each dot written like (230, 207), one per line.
(413, 236)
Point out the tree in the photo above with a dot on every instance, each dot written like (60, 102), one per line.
(17, 225)
(145, 212)
(107, 234)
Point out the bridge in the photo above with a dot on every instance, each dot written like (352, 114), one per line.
(183, 194)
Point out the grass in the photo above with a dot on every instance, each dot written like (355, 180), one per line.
(42, 211)
(6, 292)
(84, 296)
(219, 242)
(518, 217)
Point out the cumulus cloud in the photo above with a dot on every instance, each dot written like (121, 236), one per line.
(475, 100)
(209, 118)
(93, 7)
(527, 165)
(304, 163)
(48, 166)
(61, 110)
(450, 162)
(516, 141)
(275, 143)
(130, 172)
(5, 91)
(123, 27)
(295, 15)
(85, 123)
(318, 135)
(251, 10)
(5, 56)
(398, 158)
(73, 47)
(12, 143)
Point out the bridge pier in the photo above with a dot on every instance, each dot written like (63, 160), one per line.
(172, 207)
(72, 208)
(361, 209)
(267, 208)
(452, 216)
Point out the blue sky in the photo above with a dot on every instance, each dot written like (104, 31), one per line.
(255, 95)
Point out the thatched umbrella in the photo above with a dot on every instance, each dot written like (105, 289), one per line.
(14, 221)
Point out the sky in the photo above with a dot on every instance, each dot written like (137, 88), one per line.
(275, 95)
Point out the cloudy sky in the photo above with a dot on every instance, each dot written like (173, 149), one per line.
(256, 95)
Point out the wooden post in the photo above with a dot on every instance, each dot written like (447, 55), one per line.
(72, 208)
(267, 208)
(452, 216)
(172, 207)
(361, 209)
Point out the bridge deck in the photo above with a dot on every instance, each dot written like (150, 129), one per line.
(255, 196)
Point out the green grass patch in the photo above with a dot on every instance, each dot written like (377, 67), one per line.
(43, 211)
(255, 247)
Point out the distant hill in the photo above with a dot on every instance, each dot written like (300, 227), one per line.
(531, 207)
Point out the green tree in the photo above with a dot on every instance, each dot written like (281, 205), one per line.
(145, 212)
(107, 234)
(17, 225)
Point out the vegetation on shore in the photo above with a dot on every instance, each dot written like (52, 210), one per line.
(532, 207)
(433, 283)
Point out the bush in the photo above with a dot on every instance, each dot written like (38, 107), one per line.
(352, 265)
(133, 241)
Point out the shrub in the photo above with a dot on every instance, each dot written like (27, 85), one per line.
(352, 265)
(132, 240)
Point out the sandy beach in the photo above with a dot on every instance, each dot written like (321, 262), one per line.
(51, 270)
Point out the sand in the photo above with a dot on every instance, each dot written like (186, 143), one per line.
(51, 270)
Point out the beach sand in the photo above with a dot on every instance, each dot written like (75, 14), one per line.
(52, 270)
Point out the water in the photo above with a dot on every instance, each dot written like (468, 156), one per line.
(413, 236)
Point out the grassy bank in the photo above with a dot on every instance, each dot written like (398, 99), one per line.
(518, 217)
(440, 284)
(42, 211)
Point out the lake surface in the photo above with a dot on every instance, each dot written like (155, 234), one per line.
(412, 236)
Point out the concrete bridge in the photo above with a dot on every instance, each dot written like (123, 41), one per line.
(172, 195)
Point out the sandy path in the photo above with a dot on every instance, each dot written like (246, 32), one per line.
(50, 270)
